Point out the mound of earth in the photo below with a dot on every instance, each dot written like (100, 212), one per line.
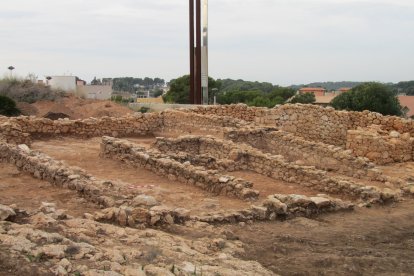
(27, 109)
(77, 108)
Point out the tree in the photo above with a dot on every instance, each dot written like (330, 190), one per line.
(158, 93)
(306, 98)
(180, 90)
(8, 107)
(370, 96)
(96, 81)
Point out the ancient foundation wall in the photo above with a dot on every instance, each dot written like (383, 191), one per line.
(239, 111)
(274, 166)
(380, 146)
(161, 164)
(311, 122)
(43, 167)
(188, 122)
(301, 151)
(137, 124)
(57, 173)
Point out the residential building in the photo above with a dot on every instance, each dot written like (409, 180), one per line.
(96, 92)
(65, 83)
(317, 91)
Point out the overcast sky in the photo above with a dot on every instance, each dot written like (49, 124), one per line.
(280, 41)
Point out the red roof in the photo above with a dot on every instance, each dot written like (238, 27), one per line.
(407, 101)
(344, 89)
(312, 89)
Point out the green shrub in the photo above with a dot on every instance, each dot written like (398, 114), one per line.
(372, 96)
(8, 107)
(26, 91)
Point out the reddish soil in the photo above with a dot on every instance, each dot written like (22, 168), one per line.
(77, 108)
(401, 170)
(85, 154)
(28, 193)
(269, 186)
(377, 241)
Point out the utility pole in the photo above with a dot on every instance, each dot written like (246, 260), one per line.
(198, 51)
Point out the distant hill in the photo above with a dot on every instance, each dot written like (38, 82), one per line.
(328, 85)
(230, 85)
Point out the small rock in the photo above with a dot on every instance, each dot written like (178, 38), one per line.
(24, 148)
(395, 134)
(60, 271)
(145, 200)
(6, 212)
(48, 208)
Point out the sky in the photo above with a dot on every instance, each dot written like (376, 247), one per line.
(279, 41)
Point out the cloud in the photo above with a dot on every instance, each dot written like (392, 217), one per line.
(281, 41)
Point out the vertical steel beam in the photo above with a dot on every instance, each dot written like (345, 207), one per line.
(192, 76)
(198, 53)
(204, 55)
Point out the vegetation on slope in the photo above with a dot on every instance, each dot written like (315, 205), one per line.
(8, 107)
(25, 90)
(371, 96)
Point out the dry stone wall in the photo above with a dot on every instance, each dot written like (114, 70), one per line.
(187, 122)
(43, 167)
(162, 165)
(120, 209)
(245, 157)
(137, 124)
(304, 152)
(239, 111)
(311, 122)
(380, 146)
(280, 207)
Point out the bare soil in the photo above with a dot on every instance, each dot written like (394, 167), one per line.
(85, 154)
(377, 241)
(77, 108)
(28, 193)
(269, 186)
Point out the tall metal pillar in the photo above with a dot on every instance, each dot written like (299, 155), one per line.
(192, 65)
(199, 52)
(204, 55)
(198, 90)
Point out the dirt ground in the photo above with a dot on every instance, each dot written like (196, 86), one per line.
(77, 108)
(377, 241)
(374, 241)
(85, 154)
(367, 241)
(28, 193)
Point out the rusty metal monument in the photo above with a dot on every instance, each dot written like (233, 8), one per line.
(198, 51)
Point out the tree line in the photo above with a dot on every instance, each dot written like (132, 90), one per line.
(229, 91)
(373, 96)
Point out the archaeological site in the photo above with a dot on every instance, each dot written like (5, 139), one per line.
(209, 190)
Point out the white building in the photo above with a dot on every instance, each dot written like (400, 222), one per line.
(96, 92)
(65, 83)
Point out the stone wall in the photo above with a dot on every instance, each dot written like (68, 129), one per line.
(381, 147)
(244, 157)
(120, 205)
(43, 167)
(161, 164)
(188, 122)
(137, 124)
(12, 133)
(304, 152)
(311, 122)
(239, 111)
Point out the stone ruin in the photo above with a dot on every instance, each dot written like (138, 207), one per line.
(336, 155)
